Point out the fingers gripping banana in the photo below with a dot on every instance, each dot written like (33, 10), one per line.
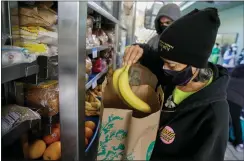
(128, 95)
(116, 79)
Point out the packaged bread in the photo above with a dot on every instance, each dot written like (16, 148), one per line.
(43, 97)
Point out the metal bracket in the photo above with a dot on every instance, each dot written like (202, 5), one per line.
(30, 70)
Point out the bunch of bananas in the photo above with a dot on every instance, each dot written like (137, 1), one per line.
(92, 105)
(122, 88)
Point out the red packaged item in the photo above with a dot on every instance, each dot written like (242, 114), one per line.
(97, 66)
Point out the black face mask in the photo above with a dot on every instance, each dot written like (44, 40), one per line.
(162, 28)
(179, 78)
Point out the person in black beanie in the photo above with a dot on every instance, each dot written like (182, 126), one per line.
(195, 117)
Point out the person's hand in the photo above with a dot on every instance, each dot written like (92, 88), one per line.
(132, 54)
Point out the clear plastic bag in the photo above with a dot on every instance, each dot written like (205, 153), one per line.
(89, 38)
(13, 115)
(101, 35)
(89, 21)
(96, 40)
(16, 55)
(111, 36)
(44, 98)
(52, 50)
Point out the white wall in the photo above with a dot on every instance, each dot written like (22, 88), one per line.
(232, 21)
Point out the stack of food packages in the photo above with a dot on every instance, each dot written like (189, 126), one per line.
(34, 29)
(44, 99)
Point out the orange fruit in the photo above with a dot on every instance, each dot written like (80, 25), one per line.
(53, 137)
(88, 132)
(53, 151)
(86, 141)
(90, 124)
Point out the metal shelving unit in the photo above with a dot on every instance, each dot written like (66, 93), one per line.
(104, 13)
(72, 82)
(17, 71)
(93, 82)
(98, 48)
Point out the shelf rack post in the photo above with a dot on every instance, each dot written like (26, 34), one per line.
(72, 53)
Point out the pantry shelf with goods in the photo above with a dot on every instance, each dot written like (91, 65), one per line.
(53, 80)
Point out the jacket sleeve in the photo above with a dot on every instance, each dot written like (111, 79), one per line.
(213, 136)
(153, 42)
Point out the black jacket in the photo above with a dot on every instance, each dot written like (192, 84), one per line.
(198, 128)
(235, 90)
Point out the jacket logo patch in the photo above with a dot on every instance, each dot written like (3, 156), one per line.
(170, 103)
(165, 46)
(167, 135)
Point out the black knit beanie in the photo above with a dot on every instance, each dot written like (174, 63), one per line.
(190, 39)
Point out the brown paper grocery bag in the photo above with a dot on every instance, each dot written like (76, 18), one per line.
(128, 134)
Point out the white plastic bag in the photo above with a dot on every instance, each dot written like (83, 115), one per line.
(16, 55)
(13, 115)
(50, 38)
(52, 50)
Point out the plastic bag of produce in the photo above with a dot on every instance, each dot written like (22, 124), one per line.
(44, 98)
(16, 55)
(12, 115)
(122, 136)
